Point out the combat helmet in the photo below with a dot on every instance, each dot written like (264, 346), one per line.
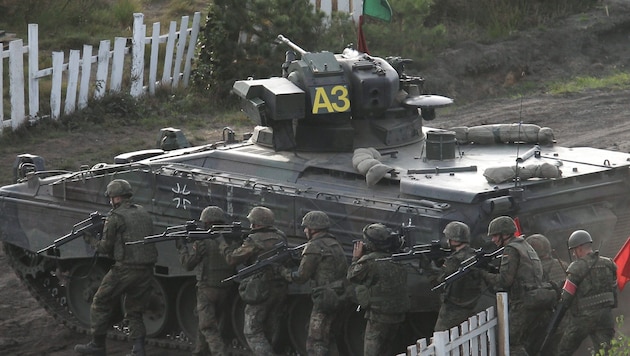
(261, 215)
(377, 237)
(502, 225)
(579, 238)
(540, 244)
(212, 214)
(457, 231)
(118, 187)
(316, 220)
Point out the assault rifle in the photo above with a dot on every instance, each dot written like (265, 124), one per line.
(280, 253)
(480, 259)
(92, 225)
(558, 314)
(190, 232)
(434, 251)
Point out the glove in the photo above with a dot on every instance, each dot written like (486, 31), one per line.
(286, 274)
(200, 248)
(89, 239)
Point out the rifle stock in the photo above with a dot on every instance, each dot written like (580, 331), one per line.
(480, 259)
(93, 224)
(278, 254)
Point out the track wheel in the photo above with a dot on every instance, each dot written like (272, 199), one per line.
(299, 317)
(81, 286)
(156, 314)
(186, 309)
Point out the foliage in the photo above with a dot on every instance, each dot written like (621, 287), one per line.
(239, 39)
(620, 344)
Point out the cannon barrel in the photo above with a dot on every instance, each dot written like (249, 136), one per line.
(288, 42)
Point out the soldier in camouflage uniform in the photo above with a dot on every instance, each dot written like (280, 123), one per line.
(520, 271)
(590, 293)
(461, 296)
(211, 292)
(554, 272)
(271, 287)
(131, 275)
(381, 288)
(323, 262)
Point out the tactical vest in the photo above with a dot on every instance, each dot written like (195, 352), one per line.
(464, 292)
(333, 265)
(529, 274)
(388, 292)
(266, 239)
(598, 286)
(554, 271)
(213, 268)
(136, 224)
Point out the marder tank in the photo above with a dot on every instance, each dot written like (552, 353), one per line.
(342, 133)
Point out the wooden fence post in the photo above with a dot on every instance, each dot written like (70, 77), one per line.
(55, 89)
(503, 325)
(16, 83)
(137, 55)
(102, 69)
(86, 71)
(33, 69)
(194, 33)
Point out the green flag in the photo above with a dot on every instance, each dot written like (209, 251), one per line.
(378, 9)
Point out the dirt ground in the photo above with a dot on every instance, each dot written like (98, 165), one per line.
(590, 44)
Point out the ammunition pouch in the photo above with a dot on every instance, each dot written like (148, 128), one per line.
(328, 298)
(541, 298)
(606, 299)
(254, 290)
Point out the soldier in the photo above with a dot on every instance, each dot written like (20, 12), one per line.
(460, 297)
(381, 288)
(211, 293)
(520, 271)
(324, 262)
(129, 276)
(590, 293)
(264, 292)
(554, 272)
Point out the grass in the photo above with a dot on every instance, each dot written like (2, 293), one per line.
(619, 80)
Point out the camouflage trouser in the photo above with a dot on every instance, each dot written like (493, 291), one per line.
(521, 322)
(598, 324)
(451, 315)
(319, 340)
(209, 300)
(378, 338)
(135, 284)
(263, 316)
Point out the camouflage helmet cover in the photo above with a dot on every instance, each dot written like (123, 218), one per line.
(212, 214)
(377, 236)
(579, 238)
(118, 187)
(457, 231)
(502, 225)
(316, 220)
(540, 243)
(261, 215)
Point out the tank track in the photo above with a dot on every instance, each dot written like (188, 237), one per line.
(44, 286)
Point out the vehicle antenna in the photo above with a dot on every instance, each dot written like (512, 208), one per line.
(518, 145)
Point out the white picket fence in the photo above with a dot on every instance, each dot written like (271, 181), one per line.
(353, 7)
(80, 82)
(484, 334)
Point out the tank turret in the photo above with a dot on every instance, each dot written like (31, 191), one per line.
(327, 102)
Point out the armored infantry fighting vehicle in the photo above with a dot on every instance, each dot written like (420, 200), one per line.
(342, 133)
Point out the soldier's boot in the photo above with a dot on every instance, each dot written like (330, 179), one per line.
(138, 347)
(96, 347)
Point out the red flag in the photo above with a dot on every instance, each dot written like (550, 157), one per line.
(519, 231)
(361, 41)
(622, 260)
